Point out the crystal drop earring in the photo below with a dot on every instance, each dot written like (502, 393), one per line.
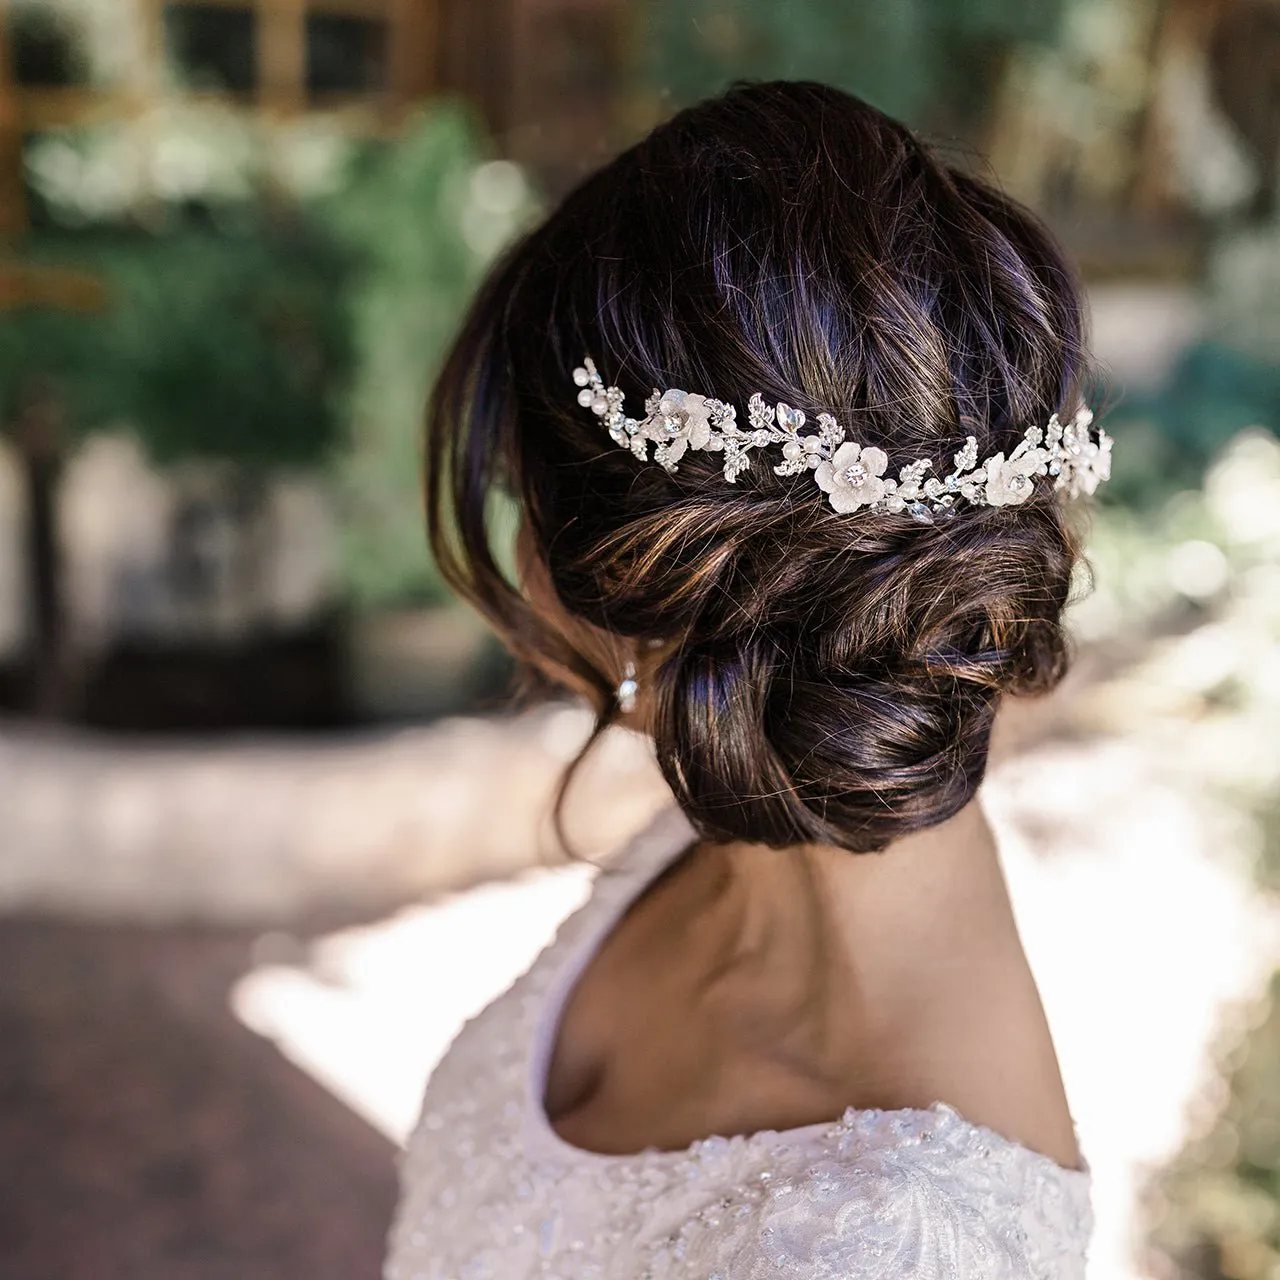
(627, 689)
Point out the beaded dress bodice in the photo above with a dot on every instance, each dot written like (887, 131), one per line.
(489, 1190)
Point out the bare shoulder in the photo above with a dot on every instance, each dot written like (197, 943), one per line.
(967, 1026)
(992, 1058)
(981, 1041)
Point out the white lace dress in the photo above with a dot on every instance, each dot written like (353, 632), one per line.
(488, 1189)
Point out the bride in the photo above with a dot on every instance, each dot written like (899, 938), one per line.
(791, 411)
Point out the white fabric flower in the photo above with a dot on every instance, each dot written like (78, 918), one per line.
(852, 478)
(683, 421)
(1010, 481)
(1092, 466)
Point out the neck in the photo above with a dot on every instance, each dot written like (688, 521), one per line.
(833, 951)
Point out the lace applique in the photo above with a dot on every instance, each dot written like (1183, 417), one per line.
(891, 1196)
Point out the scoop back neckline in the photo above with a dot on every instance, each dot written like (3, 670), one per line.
(638, 865)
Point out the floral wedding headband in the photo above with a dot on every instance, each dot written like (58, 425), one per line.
(851, 475)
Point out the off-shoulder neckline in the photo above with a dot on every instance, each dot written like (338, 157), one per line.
(658, 845)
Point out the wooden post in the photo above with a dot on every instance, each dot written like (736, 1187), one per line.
(282, 56)
(39, 435)
(13, 203)
(413, 54)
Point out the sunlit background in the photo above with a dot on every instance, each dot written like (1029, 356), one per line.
(268, 830)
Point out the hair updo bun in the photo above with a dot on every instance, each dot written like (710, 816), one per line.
(829, 677)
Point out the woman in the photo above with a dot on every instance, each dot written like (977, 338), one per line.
(793, 1032)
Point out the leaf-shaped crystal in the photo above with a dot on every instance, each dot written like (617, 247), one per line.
(790, 419)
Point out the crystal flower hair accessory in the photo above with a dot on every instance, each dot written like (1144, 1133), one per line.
(851, 474)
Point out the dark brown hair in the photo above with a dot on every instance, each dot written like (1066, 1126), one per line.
(835, 677)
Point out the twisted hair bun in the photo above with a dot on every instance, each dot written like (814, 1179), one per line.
(828, 678)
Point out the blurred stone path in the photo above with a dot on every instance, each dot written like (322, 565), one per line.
(238, 830)
(146, 1135)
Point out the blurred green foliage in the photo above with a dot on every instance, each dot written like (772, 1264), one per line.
(422, 218)
(1219, 387)
(227, 344)
(1171, 438)
(1217, 1207)
(932, 62)
(265, 324)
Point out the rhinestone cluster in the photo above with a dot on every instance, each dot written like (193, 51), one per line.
(852, 475)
